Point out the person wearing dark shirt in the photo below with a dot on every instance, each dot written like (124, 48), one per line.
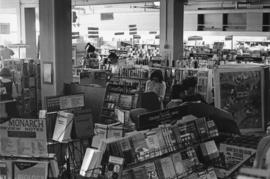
(189, 84)
(186, 92)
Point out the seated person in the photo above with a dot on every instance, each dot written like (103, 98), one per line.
(185, 93)
(147, 102)
(177, 95)
(189, 84)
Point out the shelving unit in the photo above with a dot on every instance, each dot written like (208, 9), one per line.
(118, 96)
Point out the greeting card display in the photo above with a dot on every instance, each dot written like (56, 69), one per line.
(240, 91)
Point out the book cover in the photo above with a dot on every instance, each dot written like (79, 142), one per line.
(159, 169)
(139, 172)
(202, 128)
(211, 174)
(166, 137)
(177, 136)
(115, 131)
(178, 164)
(83, 124)
(63, 126)
(125, 101)
(101, 130)
(140, 146)
(167, 167)
(30, 169)
(90, 162)
(151, 170)
(115, 167)
(127, 174)
(162, 143)
(172, 138)
(152, 142)
(128, 154)
(5, 169)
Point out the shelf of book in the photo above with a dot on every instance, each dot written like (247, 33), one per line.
(8, 101)
(146, 158)
(118, 96)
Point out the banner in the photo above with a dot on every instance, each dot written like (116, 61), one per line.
(23, 137)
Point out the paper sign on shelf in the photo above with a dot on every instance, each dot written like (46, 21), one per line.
(23, 137)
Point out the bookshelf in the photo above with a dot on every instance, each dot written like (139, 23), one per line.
(26, 76)
(122, 96)
(191, 147)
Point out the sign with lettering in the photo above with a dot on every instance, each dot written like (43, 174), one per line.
(153, 119)
(30, 169)
(23, 137)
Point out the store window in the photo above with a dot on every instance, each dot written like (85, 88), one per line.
(9, 30)
(113, 26)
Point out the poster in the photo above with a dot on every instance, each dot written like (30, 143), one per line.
(48, 72)
(240, 92)
(23, 137)
(30, 169)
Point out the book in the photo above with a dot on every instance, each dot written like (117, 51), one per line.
(115, 167)
(29, 169)
(202, 128)
(101, 130)
(177, 136)
(140, 146)
(115, 131)
(172, 138)
(165, 137)
(167, 168)
(151, 170)
(53, 169)
(126, 101)
(209, 150)
(212, 129)
(83, 124)
(63, 126)
(211, 174)
(107, 131)
(4, 170)
(163, 148)
(153, 144)
(127, 174)
(178, 165)
(159, 169)
(90, 162)
(127, 151)
(139, 172)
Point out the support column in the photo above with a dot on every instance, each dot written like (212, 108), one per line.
(30, 32)
(171, 29)
(55, 44)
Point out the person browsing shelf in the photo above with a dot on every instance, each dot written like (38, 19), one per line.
(185, 92)
(177, 96)
(156, 84)
(189, 85)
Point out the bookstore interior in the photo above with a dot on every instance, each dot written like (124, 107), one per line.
(134, 89)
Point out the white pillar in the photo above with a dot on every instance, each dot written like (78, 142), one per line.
(171, 29)
(55, 44)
